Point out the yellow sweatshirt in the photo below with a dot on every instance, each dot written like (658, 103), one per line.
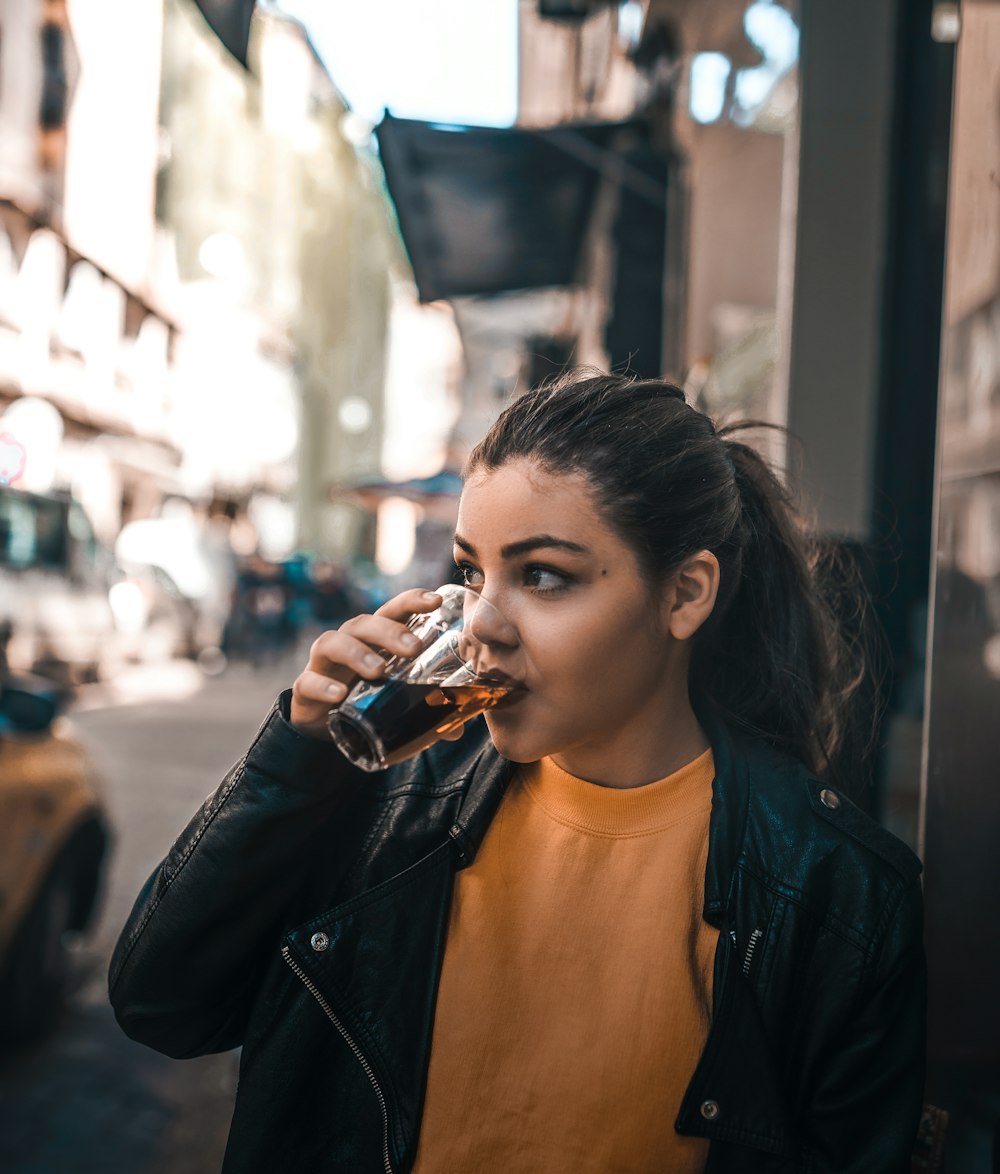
(576, 990)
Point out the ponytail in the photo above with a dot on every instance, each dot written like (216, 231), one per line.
(779, 657)
(773, 658)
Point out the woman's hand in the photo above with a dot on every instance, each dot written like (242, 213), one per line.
(338, 657)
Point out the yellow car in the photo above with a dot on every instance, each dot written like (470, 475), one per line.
(53, 839)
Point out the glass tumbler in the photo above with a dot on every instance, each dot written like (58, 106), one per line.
(445, 683)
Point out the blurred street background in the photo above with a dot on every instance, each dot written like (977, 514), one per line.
(85, 1098)
(269, 270)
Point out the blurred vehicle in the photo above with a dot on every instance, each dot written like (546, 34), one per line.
(54, 582)
(53, 841)
(155, 620)
(186, 569)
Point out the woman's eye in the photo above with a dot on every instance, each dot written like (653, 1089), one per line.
(470, 576)
(545, 579)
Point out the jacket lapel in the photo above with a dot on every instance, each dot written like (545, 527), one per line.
(375, 959)
(735, 1095)
(727, 826)
(375, 962)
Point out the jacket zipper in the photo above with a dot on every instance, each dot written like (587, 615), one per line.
(751, 946)
(328, 1011)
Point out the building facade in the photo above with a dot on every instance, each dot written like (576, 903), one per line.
(277, 218)
(205, 312)
(87, 342)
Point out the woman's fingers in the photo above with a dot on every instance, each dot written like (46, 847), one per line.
(356, 649)
(318, 689)
(356, 644)
(336, 659)
(409, 603)
(353, 649)
(313, 696)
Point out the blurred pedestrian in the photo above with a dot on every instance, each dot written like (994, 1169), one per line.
(632, 920)
(333, 599)
(261, 624)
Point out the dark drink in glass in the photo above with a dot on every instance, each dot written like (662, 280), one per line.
(399, 718)
(452, 677)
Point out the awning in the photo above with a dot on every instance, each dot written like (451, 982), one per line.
(485, 211)
(574, 10)
(371, 491)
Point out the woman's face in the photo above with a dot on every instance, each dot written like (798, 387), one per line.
(588, 635)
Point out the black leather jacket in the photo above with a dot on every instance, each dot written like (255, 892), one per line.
(302, 915)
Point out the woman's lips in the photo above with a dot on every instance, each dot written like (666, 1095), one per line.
(512, 698)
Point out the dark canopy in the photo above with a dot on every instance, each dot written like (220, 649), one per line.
(230, 21)
(484, 211)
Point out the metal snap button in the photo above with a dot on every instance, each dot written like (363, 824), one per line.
(710, 1110)
(319, 942)
(829, 798)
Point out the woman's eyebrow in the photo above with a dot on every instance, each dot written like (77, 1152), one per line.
(539, 541)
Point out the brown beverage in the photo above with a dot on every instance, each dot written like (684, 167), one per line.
(397, 719)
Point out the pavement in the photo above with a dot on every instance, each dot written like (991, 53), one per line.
(87, 1100)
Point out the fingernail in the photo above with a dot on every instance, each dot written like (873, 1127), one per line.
(409, 640)
(335, 689)
(430, 595)
(371, 661)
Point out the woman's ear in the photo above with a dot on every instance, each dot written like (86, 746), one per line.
(691, 596)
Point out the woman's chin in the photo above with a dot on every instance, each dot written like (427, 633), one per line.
(512, 740)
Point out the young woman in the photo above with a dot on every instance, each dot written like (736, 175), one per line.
(631, 922)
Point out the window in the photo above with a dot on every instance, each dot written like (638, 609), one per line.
(32, 531)
(54, 87)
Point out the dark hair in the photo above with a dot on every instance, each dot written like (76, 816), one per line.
(773, 658)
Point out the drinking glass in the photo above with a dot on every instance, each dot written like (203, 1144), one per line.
(421, 697)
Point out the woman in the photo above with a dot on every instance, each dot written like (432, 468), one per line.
(630, 922)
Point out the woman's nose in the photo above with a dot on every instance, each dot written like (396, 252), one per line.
(490, 626)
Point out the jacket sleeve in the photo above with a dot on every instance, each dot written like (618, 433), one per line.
(866, 1106)
(187, 963)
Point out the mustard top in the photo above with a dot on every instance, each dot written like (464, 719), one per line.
(576, 989)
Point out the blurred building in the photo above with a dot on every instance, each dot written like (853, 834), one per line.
(278, 218)
(87, 345)
(613, 238)
(203, 315)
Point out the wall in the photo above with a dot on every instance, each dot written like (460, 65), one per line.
(733, 242)
(844, 160)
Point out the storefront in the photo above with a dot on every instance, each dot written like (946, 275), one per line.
(961, 800)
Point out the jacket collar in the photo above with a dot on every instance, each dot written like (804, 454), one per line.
(487, 784)
(730, 804)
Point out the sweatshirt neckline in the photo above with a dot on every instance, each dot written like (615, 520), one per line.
(621, 812)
